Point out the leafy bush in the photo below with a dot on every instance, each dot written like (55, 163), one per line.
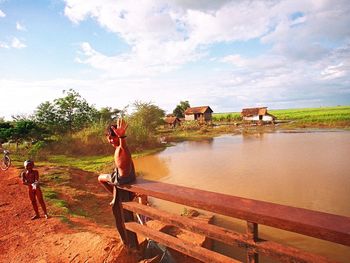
(143, 123)
(37, 151)
(190, 126)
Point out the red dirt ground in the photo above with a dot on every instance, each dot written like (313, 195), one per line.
(24, 240)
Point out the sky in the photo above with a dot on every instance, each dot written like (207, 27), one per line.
(226, 54)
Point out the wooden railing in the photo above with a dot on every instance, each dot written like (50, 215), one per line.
(320, 225)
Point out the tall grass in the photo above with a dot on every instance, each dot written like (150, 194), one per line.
(227, 117)
(324, 114)
(92, 141)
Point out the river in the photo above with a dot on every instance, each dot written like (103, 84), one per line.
(302, 169)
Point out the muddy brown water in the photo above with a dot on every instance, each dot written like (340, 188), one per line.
(303, 169)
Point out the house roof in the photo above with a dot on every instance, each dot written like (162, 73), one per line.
(254, 111)
(273, 117)
(171, 119)
(201, 109)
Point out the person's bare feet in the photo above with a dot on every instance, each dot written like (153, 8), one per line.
(35, 217)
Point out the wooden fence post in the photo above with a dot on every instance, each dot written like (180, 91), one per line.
(252, 233)
(121, 216)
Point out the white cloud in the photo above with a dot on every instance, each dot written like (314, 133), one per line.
(306, 46)
(2, 14)
(164, 35)
(4, 45)
(305, 57)
(279, 81)
(333, 71)
(16, 43)
(231, 22)
(315, 26)
(336, 65)
(20, 27)
(156, 42)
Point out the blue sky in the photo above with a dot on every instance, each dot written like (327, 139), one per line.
(225, 54)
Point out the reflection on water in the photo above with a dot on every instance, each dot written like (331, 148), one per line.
(152, 167)
(307, 170)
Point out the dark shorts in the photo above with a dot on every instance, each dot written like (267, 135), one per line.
(116, 179)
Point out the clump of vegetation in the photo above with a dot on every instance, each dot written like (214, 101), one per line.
(143, 124)
(70, 126)
(67, 114)
(227, 117)
(203, 130)
(190, 126)
(179, 111)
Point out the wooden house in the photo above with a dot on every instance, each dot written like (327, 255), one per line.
(259, 115)
(201, 114)
(172, 121)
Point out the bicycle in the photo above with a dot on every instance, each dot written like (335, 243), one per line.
(5, 162)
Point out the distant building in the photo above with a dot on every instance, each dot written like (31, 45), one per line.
(257, 115)
(201, 114)
(172, 121)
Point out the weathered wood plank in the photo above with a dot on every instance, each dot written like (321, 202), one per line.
(252, 234)
(268, 248)
(321, 225)
(182, 246)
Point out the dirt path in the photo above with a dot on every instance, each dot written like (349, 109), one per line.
(24, 240)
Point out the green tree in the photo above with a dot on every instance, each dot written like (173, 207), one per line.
(6, 129)
(73, 112)
(67, 114)
(144, 120)
(179, 111)
(107, 114)
(46, 115)
(28, 130)
(22, 129)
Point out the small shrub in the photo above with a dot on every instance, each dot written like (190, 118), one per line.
(37, 151)
(203, 129)
(190, 125)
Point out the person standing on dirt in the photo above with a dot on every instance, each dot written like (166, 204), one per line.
(30, 177)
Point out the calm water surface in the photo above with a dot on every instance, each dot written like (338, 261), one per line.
(307, 170)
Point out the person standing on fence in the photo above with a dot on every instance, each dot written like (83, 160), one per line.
(30, 177)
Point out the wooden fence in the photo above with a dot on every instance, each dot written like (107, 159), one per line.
(315, 224)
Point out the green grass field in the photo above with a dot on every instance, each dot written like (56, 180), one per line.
(324, 116)
(228, 116)
(340, 113)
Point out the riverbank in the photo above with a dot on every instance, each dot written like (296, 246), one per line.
(237, 128)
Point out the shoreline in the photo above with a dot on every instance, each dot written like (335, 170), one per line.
(232, 129)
